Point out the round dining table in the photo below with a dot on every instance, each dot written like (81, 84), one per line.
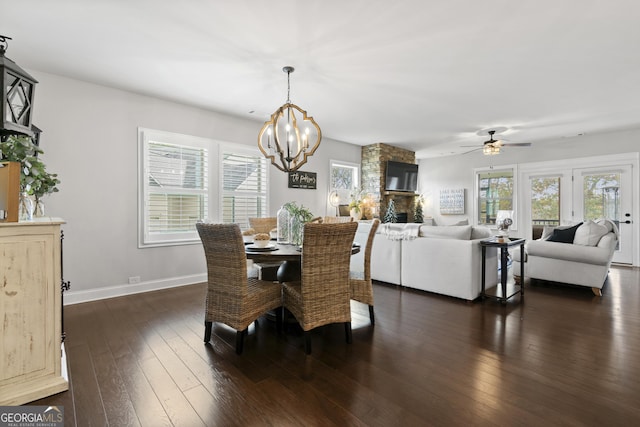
(289, 270)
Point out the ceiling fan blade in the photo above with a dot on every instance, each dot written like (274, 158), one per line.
(471, 151)
(517, 144)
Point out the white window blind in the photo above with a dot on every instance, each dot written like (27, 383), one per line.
(244, 186)
(175, 191)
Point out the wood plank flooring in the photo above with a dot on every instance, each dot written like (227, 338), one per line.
(559, 357)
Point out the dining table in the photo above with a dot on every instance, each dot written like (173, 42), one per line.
(289, 254)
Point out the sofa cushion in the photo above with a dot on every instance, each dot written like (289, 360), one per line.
(480, 232)
(564, 235)
(589, 234)
(458, 232)
(575, 253)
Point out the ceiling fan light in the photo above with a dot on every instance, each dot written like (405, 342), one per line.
(490, 150)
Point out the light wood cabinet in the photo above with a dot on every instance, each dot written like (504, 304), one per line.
(30, 310)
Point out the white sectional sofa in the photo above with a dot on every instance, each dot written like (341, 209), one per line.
(445, 260)
(581, 259)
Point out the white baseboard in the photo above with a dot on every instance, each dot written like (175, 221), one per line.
(76, 297)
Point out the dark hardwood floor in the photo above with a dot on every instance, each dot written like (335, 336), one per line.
(561, 357)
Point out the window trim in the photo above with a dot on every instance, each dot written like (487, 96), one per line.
(145, 136)
(344, 193)
(476, 191)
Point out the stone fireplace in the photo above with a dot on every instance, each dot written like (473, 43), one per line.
(374, 163)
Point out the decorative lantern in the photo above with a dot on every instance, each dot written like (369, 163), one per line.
(18, 87)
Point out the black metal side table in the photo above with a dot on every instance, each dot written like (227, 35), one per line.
(506, 290)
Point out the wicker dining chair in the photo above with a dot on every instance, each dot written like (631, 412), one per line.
(263, 225)
(322, 296)
(337, 219)
(233, 298)
(360, 281)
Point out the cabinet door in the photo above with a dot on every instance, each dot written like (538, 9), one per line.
(30, 306)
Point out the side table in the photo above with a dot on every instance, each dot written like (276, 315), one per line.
(503, 292)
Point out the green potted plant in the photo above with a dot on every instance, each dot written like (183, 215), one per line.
(34, 179)
(298, 216)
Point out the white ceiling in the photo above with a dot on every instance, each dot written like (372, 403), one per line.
(425, 75)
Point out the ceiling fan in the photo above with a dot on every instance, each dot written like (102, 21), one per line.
(493, 146)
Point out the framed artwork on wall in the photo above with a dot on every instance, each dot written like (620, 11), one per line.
(452, 202)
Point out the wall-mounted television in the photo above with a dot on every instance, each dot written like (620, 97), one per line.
(401, 177)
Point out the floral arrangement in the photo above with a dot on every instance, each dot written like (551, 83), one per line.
(34, 178)
(357, 199)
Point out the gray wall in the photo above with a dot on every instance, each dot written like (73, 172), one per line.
(90, 139)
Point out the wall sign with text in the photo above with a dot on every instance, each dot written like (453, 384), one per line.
(306, 180)
(452, 202)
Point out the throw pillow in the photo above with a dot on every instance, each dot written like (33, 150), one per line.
(564, 235)
(547, 231)
(589, 234)
(480, 232)
(611, 226)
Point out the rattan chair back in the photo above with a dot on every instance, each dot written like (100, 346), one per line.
(263, 225)
(323, 294)
(232, 298)
(337, 219)
(361, 283)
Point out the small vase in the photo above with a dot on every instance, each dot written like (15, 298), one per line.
(296, 229)
(39, 212)
(26, 208)
(356, 214)
(283, 225)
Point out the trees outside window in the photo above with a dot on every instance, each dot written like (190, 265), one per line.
(495, 192)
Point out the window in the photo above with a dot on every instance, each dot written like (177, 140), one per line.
(244, 186)
(545, 200)
(174, 187)
(495, 192)
(344, 178)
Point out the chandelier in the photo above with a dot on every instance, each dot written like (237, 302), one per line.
(290, 136)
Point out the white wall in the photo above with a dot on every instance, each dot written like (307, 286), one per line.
(457, 171)
(90, 139)
(454, 172)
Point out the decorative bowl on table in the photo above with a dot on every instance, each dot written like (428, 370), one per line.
(261, 240)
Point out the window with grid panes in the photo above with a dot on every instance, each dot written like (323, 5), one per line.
(495, 192)
(345, 177)
(244, 186)
(175, 187)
